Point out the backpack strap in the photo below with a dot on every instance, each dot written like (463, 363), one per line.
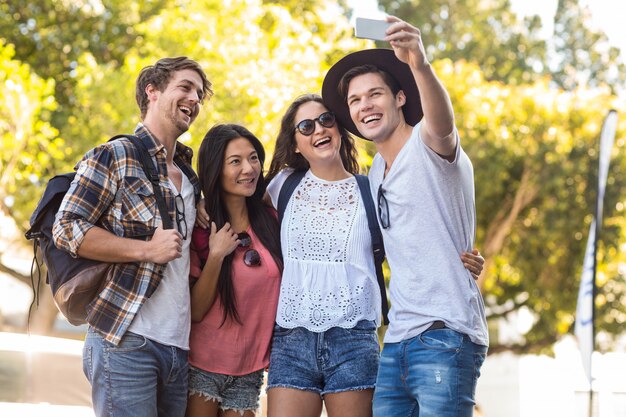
(289, 186)
(189, 173)
(152, 173)
(377, 240)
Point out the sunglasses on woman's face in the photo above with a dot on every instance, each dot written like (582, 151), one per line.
(251, 257)
(307, 126)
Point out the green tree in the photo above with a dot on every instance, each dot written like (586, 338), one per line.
(511, 50)
(257, 68)
(31, 148)
(31, 151)
(485, 32)
(534, 150)
(583, 55)
(51, 35)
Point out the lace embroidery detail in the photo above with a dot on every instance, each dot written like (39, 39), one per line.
(323, 310)
(321, 219)
(320, 287)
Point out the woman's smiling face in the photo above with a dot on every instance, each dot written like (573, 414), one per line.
(323, 145)
(242, 168)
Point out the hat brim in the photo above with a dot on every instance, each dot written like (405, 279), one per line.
(386, 60)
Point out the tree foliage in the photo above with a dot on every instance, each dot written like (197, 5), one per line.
(68, 76)
(534, 149)
(485, 32)
(583, 54)
(257, 68)
(535, 154)
(31, 148)
(52, 35)
(511, 50)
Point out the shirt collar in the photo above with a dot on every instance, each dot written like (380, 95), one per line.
(154, 146)
(182, 151)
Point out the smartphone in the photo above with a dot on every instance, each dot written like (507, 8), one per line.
(371, 29)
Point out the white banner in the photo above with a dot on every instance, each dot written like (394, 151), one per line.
(585, 308)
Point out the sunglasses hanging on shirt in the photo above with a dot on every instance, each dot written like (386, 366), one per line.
(383, 208)
(251, 257)
(181, 222)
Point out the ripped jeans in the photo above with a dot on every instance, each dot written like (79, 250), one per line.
(433, 374)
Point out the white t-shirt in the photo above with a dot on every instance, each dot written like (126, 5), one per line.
(329, 278)
(432, 220)
(165, 317)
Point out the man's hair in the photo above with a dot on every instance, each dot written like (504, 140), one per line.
(344, 83)
(159, 76)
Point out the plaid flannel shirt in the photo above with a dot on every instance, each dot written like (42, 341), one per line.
(110, 190)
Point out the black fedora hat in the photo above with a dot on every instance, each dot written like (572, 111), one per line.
(386, 60)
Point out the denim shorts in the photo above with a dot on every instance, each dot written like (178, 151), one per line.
(333, 361)
(239, 393)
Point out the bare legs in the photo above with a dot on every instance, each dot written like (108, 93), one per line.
(198, 406)
(290, 402)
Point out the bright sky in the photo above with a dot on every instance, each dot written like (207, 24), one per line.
(604, 14)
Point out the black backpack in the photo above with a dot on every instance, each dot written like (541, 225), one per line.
(75, 282)
(378, 247)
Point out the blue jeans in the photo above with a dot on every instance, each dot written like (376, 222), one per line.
(431, 375)
(139, 377)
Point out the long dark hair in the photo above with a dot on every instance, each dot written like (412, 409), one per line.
(262, 221)
(285, 151)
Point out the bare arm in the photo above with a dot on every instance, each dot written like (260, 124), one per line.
(101, 245)
(203, 293)
(437, 128)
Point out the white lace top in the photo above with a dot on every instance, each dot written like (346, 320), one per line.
(329, 278)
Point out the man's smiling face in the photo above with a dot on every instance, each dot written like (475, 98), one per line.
(373, 108)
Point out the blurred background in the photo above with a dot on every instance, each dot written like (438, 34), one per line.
(531, 83)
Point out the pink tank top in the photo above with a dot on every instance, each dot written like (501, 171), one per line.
(236, 349)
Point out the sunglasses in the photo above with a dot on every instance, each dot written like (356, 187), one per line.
(251, 257)
(181, 222)
(307, 126)
(383, 208)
